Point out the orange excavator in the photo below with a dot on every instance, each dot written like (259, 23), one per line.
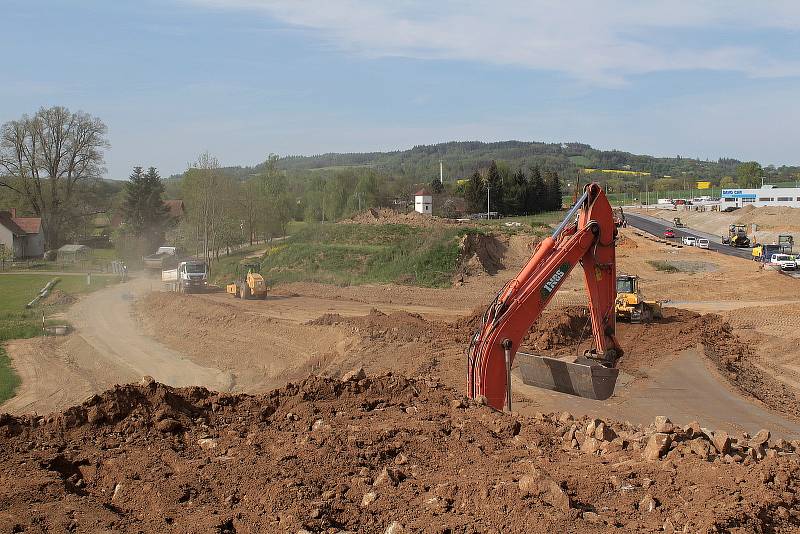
(587, 236)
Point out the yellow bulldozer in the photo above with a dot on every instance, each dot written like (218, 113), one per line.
(631, 306)
(249, 283)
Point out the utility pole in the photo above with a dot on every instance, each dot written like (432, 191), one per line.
(487, 202)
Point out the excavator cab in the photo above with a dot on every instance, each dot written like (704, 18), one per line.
(631, 306)
(626, 284)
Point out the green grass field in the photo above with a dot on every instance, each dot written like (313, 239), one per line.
(532, 224)
(347, 254)
(16, 322)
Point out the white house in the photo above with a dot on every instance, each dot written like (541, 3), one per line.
(22, 236)
(767, 195)
(423, 202)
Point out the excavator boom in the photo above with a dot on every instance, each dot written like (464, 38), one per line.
(589, 241)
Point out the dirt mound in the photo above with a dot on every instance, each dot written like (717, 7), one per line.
(625, 242)
(481, 254)
(396, 326)
(559, 329)
(58, 298)
(362, 455)
(771, 217)
(388, 216)
(747, 209)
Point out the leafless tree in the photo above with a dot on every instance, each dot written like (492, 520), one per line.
(211, 197)
(46, 157)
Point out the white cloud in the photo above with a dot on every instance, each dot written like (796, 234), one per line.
(603, 42)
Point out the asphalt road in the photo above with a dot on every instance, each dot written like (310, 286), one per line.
(657, 227)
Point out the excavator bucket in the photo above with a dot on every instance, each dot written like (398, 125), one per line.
(582, 377)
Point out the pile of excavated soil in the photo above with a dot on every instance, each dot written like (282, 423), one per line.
(770, 217)
(626, 243)
(376, 454)
(388, 216)
(481, 254)
(569, 330)
(396, 326)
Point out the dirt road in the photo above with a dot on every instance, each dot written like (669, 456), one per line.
(107, 347)
(105, 322)
(685, 388)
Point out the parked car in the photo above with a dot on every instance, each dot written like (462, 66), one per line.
(690, 240)
(669, 233)
(784, 261)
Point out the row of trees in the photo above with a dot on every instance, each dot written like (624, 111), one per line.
(223, 211)
(51, 164)
(519, 193)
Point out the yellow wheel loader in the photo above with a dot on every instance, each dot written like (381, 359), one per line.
(249, 283)
(630, 304)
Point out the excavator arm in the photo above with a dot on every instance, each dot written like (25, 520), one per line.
(590, 241)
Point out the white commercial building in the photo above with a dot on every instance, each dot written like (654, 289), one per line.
(767, 195)
(423, 202)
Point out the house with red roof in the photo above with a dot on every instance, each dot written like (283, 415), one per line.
(176, 208)
(423, 202)
(22, 236)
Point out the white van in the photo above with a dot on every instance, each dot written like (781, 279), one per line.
(690, 240)
(702, 243)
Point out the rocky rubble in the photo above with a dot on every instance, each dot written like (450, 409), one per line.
(384, 454)
(664, 440)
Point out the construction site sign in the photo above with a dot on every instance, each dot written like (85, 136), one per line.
(703, 185)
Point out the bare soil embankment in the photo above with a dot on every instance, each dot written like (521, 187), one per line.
(260, 350)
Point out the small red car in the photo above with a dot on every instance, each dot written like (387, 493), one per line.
(669, 233)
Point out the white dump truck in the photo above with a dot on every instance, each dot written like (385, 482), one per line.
(189, 277)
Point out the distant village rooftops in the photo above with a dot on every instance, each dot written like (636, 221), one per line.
(176, 208)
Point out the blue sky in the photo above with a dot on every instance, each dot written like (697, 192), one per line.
(243, 78)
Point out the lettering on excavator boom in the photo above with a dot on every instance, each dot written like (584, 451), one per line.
(552, 284)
